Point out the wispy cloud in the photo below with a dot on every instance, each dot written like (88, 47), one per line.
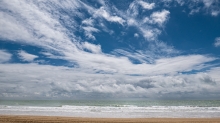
(144, 25)
(4, 56)
(146, 5)
(159, 17)
(44, 81)
(217, 42)
(88, 32)
(35, 26)
(193, 11)
(91, 47)
(89, 22)
(103, 13)
(24, 56)
(136, 35)
(211, 7)
(208, 3)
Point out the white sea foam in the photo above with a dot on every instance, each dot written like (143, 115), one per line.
(126, 111)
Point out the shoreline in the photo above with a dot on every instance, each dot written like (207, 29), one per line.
(59, 119)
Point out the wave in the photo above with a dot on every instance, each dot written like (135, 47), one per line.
(127, 109)
(114, 111)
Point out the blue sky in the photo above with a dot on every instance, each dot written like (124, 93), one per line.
(166, 49)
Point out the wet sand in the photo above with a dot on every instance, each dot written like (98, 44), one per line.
(56, 119)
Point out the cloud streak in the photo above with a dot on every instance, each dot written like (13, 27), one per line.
(217, 42)
(24, 56)
(103, 13)
(4, 56)
(159, 17)
(211, 7)
(37, 81)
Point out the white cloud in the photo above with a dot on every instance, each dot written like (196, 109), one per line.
(24, 56)
(208, 3)
(215, 13)
(150, 34)
(54, 37)
(34, 26)
(181, 63)
(12, 29)
(140, 56)
(206, 6)
(181, 2)
(88, 22)
(136, 35)
(196, 6)
(135, 5)
(88, 32)
(122, 65)
(91, 47)
(44, 81)
(103, 13)
(4, 56)
(144, 25)
(217, 42)
(193, 11)
(215, 72)
(159, 17)
(146, 5)
(133, 9)
(90, 29)
(132, 22)
(212, 7)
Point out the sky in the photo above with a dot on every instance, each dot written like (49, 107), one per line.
(116, 49)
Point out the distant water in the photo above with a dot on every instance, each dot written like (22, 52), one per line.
(114, 108)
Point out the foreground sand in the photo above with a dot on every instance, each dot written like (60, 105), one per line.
(54, 119)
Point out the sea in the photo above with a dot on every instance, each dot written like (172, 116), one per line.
(113, 108)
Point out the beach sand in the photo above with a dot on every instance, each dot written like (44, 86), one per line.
(56, 119)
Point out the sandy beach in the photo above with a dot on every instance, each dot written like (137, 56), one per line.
(56, 119)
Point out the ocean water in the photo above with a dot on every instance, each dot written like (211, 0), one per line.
(114, 108)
